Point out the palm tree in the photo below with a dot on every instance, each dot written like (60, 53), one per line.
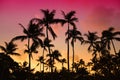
(91, 40)
(54, 56)
(47, 20)
(89, 64)
(47, 43)
(99, 48)
(9, 49)
(81, 63)
(63, 61)
(74, 35)
(69, 18)
(6, 62)
(41, 61)
(108, 36)
(33, 32)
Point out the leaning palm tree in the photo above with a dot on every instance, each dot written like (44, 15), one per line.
(9, 49)
(74, 35)
(33, 32)
(69, 18)
(108, 36)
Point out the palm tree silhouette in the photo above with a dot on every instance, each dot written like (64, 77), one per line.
(9, 49)
(89, 65)
(63, 61)
(6, 64)
(46, 43)
(41, 61)
(33, 32)
(74, 35)
(54, 56)
(99, 47)
(69, 18)
(47, 20)
(81, 63)
(108, 36)
(91, 40)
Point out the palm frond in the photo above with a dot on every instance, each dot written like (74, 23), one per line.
(63, 13)
(74, 19)
(80, 39)
(111, 29)
(52, 32)
(116, 33)
(3, 48)
(24, 30)
(40, 42)
(70, 14)
(118, 39)
(16, 54)
(73, 24)
(22, 38)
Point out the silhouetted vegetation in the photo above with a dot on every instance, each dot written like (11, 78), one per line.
(104, 65)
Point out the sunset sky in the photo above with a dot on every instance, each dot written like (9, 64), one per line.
(94, 15)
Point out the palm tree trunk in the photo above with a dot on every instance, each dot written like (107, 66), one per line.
(68, 50)
(43, 61)
(62, 65)
(29, 53)
(113, 46)
(73, 56)
(49, 47)
(29, 58)
(40, 66)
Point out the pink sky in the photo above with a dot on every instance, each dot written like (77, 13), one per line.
(94, 15)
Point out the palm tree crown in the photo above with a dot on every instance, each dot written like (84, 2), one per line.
(91, 39)
(108, 36)
(9, 49)
(47, 20)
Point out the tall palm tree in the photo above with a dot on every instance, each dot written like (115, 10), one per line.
(9, 48)
(108, 36)
(74, 35)
(33, 32)
(70, 19)
(46, 21)
(47, 43)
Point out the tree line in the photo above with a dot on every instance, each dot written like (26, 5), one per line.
(104, 65)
